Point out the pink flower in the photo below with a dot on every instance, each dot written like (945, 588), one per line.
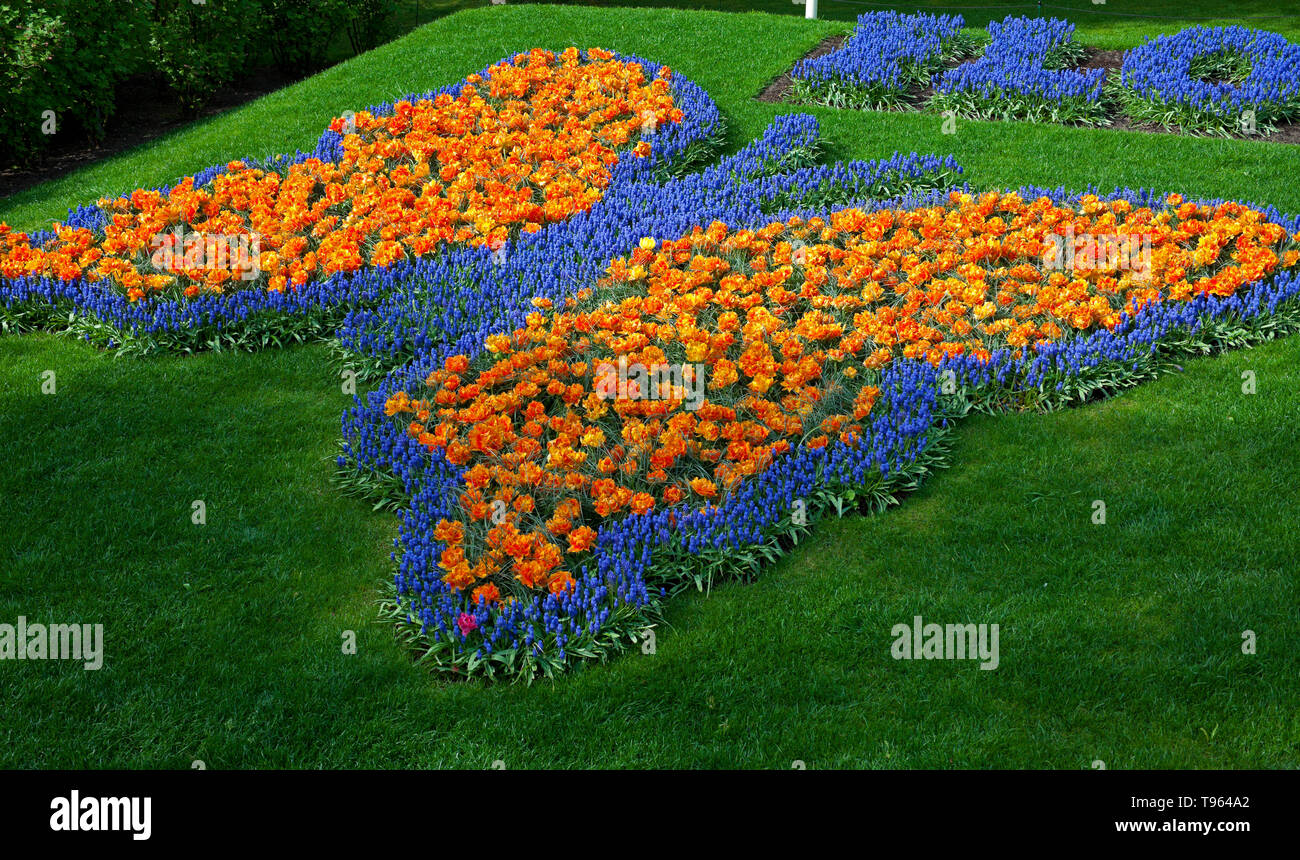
(467, 623)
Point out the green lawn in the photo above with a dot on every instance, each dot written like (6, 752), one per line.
(1119, 642)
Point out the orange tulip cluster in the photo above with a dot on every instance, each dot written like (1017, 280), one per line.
(789, 323)
(529, 142)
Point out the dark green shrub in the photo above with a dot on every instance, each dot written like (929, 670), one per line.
(198, 47)
(69, 56)
(369, 23)
(300, 31)
(64, 56)
(28, 45)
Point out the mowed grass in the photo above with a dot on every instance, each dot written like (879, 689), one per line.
(1119, 642)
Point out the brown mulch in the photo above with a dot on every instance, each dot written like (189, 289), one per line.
(1096, 58)
(146, 110)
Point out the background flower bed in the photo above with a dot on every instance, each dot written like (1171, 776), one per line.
(882, 61)
(1026, 72)
(1207, 79)
(1202, 80)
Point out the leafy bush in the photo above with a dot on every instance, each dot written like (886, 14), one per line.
(69, 57)
(66, 57)
(300, 31)
(368, 23)
(200, 47)
(27, 47)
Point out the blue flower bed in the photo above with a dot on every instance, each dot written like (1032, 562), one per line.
(1219, 80)
(888, 55)
(1022, 75)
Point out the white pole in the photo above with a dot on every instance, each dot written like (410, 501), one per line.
(810, 9)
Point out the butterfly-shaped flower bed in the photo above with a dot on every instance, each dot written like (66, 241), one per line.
(603, 375)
